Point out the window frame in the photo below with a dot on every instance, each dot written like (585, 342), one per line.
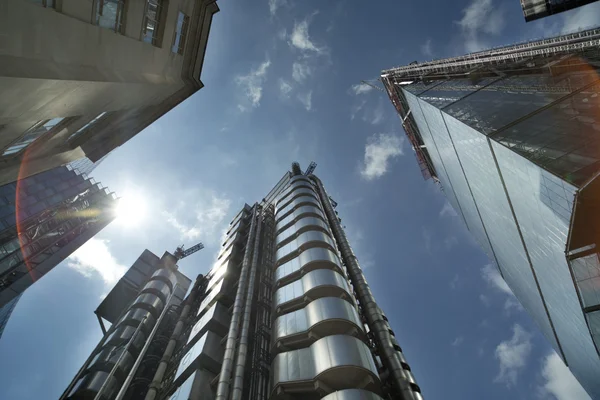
(88, 126)
(38, 125)
(178, 47)
(46, 3)
(159, 22)
(121, 16)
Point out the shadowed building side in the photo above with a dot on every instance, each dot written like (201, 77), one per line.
(108, 70)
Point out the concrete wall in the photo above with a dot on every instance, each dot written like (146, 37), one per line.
(57, 63)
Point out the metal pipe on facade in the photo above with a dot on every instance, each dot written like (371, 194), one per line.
(114, 368)
(242, 351)
(86, 363)
(168, 353)
(232, 335)
(140, 357)
(389, 351)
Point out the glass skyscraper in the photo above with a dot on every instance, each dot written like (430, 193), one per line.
(85, 165)
(513, 137)
(285, 313)
(43, 219)
(536, 9)
(6, 311)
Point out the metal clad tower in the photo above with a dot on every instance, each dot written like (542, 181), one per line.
(512, 135)
(285, 313)
(536, 9)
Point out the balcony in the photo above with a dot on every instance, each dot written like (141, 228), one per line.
(332, 363)
(314, 285)
(216, 319)
(308, 260)
(303, 242)
(323, 317)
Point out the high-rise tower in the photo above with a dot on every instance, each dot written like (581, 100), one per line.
(285, 313)
(43, 219)
(513, 136)
(109, 69)
(536, 9)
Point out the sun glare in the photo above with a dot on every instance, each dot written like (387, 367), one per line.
(131, 210)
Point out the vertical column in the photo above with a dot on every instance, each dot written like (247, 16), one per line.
(403, 382)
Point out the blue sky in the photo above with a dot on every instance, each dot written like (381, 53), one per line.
(283, 84)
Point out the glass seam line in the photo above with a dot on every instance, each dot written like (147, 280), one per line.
(539, 110)
(470, 192)
(537, 283)
(441, 81)
(499, 78)
(442, 162)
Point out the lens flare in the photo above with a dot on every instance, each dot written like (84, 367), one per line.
(131, 210)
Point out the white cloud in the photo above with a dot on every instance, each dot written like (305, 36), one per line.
(284, 88)
(447, 209)
(356, 108)
(426, 235)
(559, 381)
(282, 34)
(582, 18)
(457, 342)
(512, 355)
(377, 116)
(301, 40)
(360, 88)
(485, 300)
(185, 231)
(454, 283)
(512, 303)
(480, 17)
(491, 275)
(306, 100)
(208, 214)
(300, 71)
(450, 242)
(94, 257)
(274, 5)
(426, 48)
(380, 149)
(253, 83)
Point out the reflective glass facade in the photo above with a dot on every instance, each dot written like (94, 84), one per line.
(43, 219)
(5, 313)
(536, 9)
(512, 153)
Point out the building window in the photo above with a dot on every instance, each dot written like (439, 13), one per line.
(180, 33)
(110, 14)
(152, 22)
(45, 3)
(31, 135)
(88, 125)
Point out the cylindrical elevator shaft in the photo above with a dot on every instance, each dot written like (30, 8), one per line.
(242, 352)
(224, 384)
(402, 380)
(123, 345)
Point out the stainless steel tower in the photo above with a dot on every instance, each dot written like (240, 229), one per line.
(512, 134)
(285, 313)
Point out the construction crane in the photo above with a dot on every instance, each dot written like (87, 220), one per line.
(310, 168)
(333, 202)
(181, 253)
(373, 85)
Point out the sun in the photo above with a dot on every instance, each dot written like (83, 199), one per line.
(131, 210)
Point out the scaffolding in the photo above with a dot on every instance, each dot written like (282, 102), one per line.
(578, 42)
